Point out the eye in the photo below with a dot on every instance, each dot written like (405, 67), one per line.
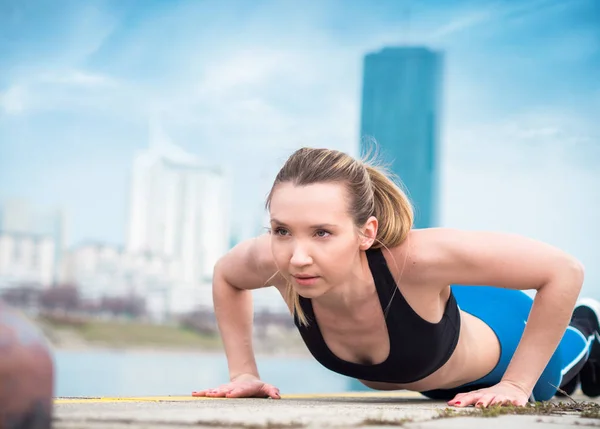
(322, 233)
(280, 231)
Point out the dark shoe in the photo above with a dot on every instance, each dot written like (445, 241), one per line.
(589, 310)
(569, 388)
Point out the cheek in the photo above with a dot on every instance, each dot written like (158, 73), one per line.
(337, 258)
(280, 253)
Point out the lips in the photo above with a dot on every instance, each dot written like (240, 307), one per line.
(305, 280)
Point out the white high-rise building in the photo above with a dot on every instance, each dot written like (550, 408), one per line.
(180, 208)
(18, 216)
(26, 259)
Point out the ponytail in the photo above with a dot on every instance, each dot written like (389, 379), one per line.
(392, 208)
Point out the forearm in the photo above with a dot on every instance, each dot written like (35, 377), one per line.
(549, 317)
(233, 310)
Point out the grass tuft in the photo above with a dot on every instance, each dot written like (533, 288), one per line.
(583, 409)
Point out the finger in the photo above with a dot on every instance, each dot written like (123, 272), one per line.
(457, 400)
(498, 400)
(206, 392)
(469, 399)
(239, 393)
(485, 400)
(461, 398)
(218, 393)
(519, 402)
(273, 392)
(462, 395)
(501, 400)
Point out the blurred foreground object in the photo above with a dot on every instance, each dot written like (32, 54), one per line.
(26, 373)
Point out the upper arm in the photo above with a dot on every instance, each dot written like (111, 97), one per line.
(249, 265)
(449, 256)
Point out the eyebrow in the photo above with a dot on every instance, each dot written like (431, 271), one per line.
(320, 225)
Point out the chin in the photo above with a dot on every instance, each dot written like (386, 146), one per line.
(309, 292)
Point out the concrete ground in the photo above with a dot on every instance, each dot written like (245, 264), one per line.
(349, 410)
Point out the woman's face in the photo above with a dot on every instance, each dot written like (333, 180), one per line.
(313, 237)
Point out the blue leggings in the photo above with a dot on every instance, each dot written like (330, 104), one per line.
(506, 312)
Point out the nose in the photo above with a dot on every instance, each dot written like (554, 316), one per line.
(300, 256)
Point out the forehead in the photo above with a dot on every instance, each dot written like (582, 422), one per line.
(316, 203)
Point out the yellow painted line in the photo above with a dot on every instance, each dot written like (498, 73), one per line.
(393, 394)
(401, 394)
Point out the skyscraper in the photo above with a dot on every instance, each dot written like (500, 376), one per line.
(401, 99)
(179, 208)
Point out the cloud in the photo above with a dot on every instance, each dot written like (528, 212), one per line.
(533, 173)
(443, 24)
(14, 100)
(76, 78)
(247, 68)
(66, 90)
(463, 22)
(267, 98)
(536, 139)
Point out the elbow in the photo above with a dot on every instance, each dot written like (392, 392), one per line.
(578, 271)
(219, 273)
(221, 277)
(571, 274)
(218, 268)
(223, 265)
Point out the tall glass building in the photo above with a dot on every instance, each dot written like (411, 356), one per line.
(401, 98)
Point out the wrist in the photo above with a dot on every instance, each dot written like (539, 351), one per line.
(244, 377)
(518, 385)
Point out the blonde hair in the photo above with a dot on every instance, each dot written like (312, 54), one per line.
(371, 188)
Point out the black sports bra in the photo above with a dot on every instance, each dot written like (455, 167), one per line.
(417, 347)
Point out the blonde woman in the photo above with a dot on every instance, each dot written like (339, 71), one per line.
(438, 311)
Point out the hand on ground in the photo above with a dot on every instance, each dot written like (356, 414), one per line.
(503, 393)
(244, 386)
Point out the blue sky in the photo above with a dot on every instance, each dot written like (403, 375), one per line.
(246, 82)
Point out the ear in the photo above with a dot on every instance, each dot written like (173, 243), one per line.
(368, 233)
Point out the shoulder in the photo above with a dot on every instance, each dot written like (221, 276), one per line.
(422, 251)
(442, 256)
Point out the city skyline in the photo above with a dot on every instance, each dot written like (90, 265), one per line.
(178, 227)
(243, 88)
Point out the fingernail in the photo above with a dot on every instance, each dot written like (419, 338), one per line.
(457, 403)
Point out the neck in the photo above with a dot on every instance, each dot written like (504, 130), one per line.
(351, 292)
